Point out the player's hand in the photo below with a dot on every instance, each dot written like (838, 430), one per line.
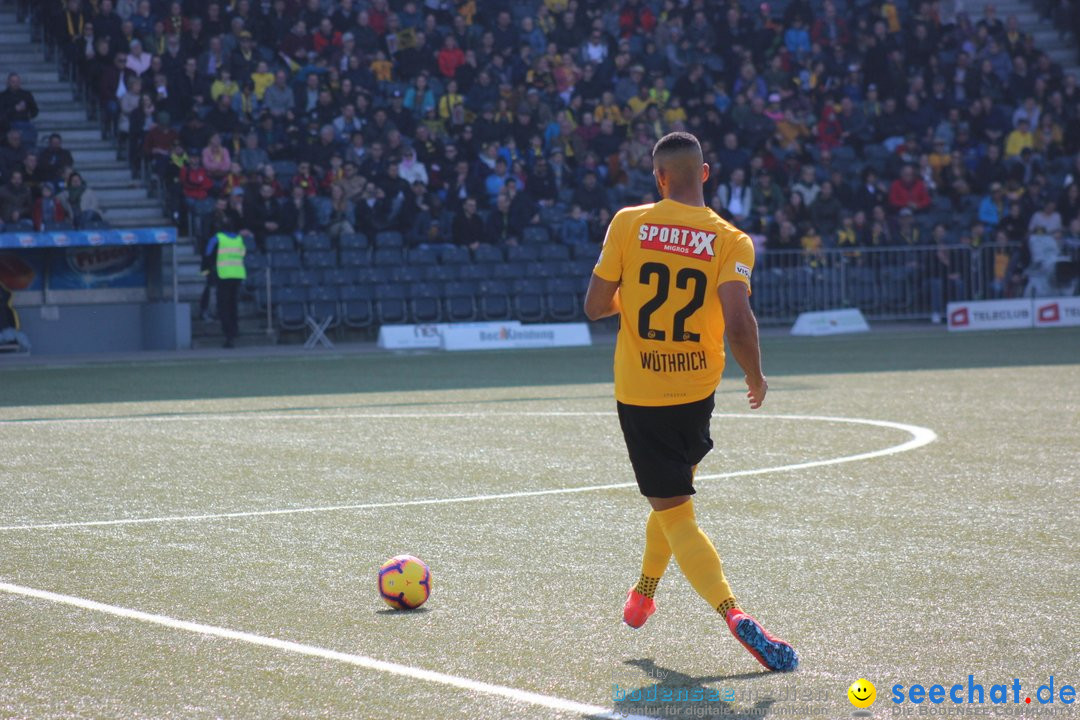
(756, 392)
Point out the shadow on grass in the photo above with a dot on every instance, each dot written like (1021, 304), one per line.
(403, 613)
(321, 375)
(668, 693)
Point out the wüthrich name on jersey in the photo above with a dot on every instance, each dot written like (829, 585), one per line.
(674, 362)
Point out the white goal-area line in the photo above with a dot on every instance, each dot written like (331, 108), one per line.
(521, 696)
(920, 436)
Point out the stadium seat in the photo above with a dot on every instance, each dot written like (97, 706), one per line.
(508, 271)
(488, 254)
(562, 299)
(535, 235)
(391, 303)
(290, 301)
(424, 302)
(315, 241)
(475, 271)
(386, 256)
(523, 253)
(459, 301)
(540, 270)
(285, 259)
(552, 251)
(322, 314)
(338, 276)
(357, 310)
(354, 241)
(454, 255)
(441, 273)
(585, 251)
(320, 259)
(494, 300)
(279, 243)
(280, 277)
(389, 239)
(406, 274)
(371, 275)
(307, 278)
(422, 256)
(529, 300)
(355, 258)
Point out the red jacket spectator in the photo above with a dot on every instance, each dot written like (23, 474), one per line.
(908, 191)
(325, 37)
(451, 57)
(635, 17)
(195, 181)
(829, 129)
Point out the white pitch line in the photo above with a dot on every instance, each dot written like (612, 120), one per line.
(920, 436)
(363, 661)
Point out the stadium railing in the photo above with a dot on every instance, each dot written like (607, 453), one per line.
(885, 283)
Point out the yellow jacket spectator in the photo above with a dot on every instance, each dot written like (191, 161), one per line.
(450, 100)
(640, 103)
(381, 68)
(1019, 139)
(224, 85)
(263, 78)
(608, 109)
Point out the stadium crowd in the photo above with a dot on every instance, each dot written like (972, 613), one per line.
(827, 123)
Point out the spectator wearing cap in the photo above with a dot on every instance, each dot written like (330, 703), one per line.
(992, 206)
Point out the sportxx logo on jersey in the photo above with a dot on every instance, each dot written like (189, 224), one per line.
(679, 240)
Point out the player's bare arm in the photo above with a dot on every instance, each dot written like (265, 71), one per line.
(601, 299)
(742, 339)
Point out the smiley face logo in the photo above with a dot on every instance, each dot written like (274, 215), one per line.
(862, 693)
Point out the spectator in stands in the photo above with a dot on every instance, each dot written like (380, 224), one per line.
(342, 219)
(1046, 219)
(18, 109)
(216, 160)
(468, 228)
(80, 202)
(196, 184)
(16, 207)
(54, 158)
(574, 229)
(908, 191)
(733, 199)
(992, 207)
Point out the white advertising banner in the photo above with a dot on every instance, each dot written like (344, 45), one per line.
(990, 314)
(830, 322)
(427, 336)
(1057, 312)
(509, 335)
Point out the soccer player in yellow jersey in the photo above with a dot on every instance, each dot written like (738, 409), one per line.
(679, 277)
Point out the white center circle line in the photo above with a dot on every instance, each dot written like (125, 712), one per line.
(920, 436)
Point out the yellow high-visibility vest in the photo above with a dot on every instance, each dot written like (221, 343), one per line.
(230, 257)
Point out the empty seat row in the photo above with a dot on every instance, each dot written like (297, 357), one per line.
(362, 306)
(573, 269)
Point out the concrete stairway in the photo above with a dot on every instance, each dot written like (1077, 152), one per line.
(1055, 42)
(123, 199)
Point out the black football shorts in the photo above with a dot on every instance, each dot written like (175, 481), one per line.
(665, 443)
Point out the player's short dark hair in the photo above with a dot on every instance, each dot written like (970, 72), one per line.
(675, 142)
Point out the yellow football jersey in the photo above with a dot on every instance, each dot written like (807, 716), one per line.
(670, 260)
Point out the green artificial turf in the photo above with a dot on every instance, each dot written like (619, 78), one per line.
(957, 558)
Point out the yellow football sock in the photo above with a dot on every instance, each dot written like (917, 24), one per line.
(655, 558)
(695, 554)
